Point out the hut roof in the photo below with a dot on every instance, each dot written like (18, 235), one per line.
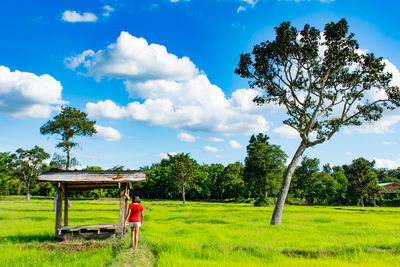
(93, 176)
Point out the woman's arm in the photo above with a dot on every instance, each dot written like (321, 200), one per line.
(141, 216)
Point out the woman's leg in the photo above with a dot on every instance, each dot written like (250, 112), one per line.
(132, 230)
(136, 236)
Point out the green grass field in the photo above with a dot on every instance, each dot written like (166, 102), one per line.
(204, 234)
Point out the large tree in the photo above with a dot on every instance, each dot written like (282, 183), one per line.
(69, 123)
(183, 172)
(29, 163)
(323, 80)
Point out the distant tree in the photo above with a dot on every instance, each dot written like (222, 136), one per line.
(342, 184)
(28, 164)
(264, 166)
(323, 80)
(321, 189)
(327, 168)
(387, 175)
(232, 184)
(214, 173)
(8, 182)
(117, 168)
(92, 168)
(59, 162)
(303, 176)
(183, 172)
(362, 181)
(69, 123)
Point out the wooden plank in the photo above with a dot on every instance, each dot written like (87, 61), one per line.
(65, 205)
(84, 176)
(59, 210)
(73, 187)
(91, 226)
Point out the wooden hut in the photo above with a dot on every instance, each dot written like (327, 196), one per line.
(68, 181)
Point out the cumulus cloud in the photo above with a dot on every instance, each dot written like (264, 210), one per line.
(107, 10)
(234, 145)
(24, 94)
(133, 58)
(185, 137)
(172, 91)
(107, 133)
(211, 149)
(73, 16)
(216, 139)
(387, 163)
(105, 109)
(286, 132)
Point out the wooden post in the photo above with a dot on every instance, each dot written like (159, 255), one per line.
(121, 220)
(65, 205)
(59, 210)
(126, 203)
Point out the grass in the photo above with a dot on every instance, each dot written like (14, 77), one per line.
(204, 234)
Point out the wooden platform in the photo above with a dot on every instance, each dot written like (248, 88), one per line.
(95, 231)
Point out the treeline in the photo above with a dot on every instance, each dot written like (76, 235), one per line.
(257, 179)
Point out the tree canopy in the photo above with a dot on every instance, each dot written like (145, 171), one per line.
(69, 123)
(323, 80)
(28, 164)
(264, 167)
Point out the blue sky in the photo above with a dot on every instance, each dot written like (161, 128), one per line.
(158, 76)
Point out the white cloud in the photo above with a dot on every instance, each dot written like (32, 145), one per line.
(73, 16)
(218, 156)
(234, 145)
(24, 94)
(216, 139)
(350, 154)
(74, 61)
(172, 91)
(383, 126)
(106, 109)
(133, 58)
(165, 155)
(211, 149)
(386, 143)
(107, 10)
(107, 133)
(286, 132)
(240, 8)
(387, 163)
(185, 137)
(252, 3)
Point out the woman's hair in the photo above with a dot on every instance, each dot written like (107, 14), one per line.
(136, 199)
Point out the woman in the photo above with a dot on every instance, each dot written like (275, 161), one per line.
(135, 219)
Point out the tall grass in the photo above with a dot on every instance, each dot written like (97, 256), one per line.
(204, 234)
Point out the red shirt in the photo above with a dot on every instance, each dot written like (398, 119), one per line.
(135, 212)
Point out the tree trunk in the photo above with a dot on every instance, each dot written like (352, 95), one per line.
(28, 185)
(183, 195)
(277, 215)
(68, 158)
(361, 202)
